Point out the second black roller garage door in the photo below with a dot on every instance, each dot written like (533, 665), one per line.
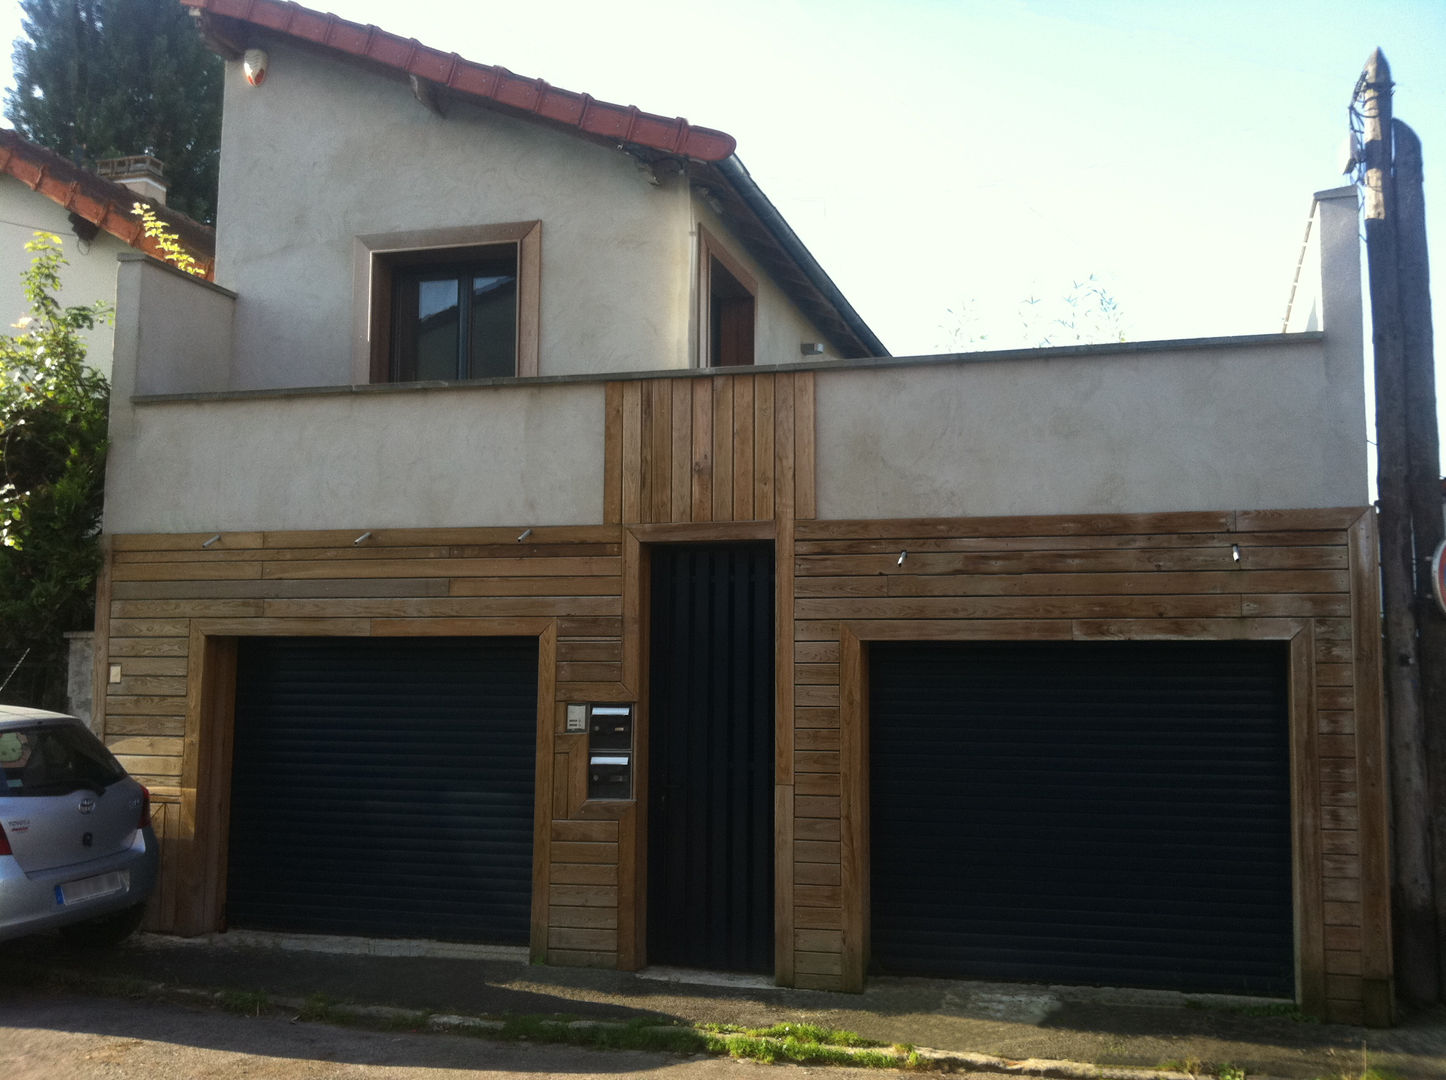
(384, 787)
(1092, 813)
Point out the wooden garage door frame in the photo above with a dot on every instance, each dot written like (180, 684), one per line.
(854, 639)
(210, 728)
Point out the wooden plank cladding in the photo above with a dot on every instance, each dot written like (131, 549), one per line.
(1306, 578)
(179, 602)
(715, 448)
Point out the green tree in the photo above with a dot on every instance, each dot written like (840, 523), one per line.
(53, 412)
(111, 78)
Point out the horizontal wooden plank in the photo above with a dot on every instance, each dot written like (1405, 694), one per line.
(805, 873)
(581, 958)
(392, 568)
(812, 738)
(818, 918)
(442, 607)
(151, 765)
(817, 963)
(816, 696)
(589, 651)
(1172, 629)
(816, 652)
(583, 832)
(186, 609)
(1182, 522)
(569, 938)
(122, 648)
(189, 571)
(591, 918)
(561, 873)
(1342, 962)
(1303, 605)
(132, 666)
(818, 940)
(150, 745)
(578, 852)
(582, 896)
(819, 896)
(536, 586)
(118, 725)
(825, 784)
(816, 851)
(1164, 583)
(1030, 607)
(1331, 544)
(122, 628)
(806, 674)
(122, 705)
(816, 829)
(815, 718)
(315, 588)
(590, 672)
(817, 761)
(171, 541)
(152, 685)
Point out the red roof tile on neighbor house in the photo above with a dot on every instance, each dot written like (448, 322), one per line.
(102, 202)
(625, 123)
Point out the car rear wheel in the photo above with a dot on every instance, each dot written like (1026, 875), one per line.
(106, 931)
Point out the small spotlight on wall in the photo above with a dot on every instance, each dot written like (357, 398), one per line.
(362, 538)
(211, 541)
(811, 348)
(525, 534)
(1235, 552)
(902, 556)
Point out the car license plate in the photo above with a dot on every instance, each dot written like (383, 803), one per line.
(90, 888)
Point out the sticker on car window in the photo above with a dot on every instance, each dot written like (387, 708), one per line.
(11, 747)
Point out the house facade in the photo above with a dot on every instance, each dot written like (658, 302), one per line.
(523, 541)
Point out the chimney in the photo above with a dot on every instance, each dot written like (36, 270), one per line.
(141, 173)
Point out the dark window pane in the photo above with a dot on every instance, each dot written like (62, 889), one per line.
(55, 760)
(437, 329)
(494, 325)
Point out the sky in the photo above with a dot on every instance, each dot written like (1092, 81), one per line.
(947, 161)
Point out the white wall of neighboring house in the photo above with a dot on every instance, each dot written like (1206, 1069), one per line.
(90, 275)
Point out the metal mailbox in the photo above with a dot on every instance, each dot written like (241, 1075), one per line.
(610, 752)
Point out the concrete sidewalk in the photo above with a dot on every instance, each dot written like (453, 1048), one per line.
(1090, 1026)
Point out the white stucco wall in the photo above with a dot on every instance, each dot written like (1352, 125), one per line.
(90, 275)
(325, 151)
(392, 458)
(1143, 432)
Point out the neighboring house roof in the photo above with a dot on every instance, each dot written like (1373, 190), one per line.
(704, 153)
(103, 203)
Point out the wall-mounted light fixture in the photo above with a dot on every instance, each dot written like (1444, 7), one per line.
(902, 556)
(363, 538)
(525, 534)
(811, 348)
(254, 63)
(211, 541)
(1234, 552)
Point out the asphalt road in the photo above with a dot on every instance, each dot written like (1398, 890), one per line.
(86, 1038)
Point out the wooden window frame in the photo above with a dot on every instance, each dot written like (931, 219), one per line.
(375, 254)
(709, 249)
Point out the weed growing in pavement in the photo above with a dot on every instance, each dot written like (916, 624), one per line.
(244, 1002)
(1230, 1072)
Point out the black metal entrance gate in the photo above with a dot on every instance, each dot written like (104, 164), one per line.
(1099, 813)
(384, 786)
(710, 758)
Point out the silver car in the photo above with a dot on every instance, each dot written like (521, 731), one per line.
(76, 848)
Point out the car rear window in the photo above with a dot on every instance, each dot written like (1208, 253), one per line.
(53, 759)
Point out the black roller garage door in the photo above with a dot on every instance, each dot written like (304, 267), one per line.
(384, 787)
(1114, 813)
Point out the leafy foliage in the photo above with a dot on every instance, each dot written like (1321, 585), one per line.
(53, 412)
(112, 78)
(167, 241)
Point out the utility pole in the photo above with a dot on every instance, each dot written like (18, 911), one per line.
(1418, 974)
(1424, 480)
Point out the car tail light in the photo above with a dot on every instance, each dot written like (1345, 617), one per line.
(145, 808)
(4, 842)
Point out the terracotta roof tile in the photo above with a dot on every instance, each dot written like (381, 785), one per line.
(672, 135)
(102, 202)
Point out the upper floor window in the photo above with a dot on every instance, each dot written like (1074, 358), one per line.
(726, 291)
(448, 304)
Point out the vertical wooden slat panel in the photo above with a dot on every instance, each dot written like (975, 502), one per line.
(743, 448)
(1305, 779)
(628, 896)
(702, 449)
(632, 450)
(783, 921)
(634, 592)
(542, 800)
(613, 453)
(804, 464)
(783, 457)
(647, 469)
(681, 494)
(763, 463)
(100, 670)
(853, 809)
(723, 448)
(1374, 822)
(662, 453)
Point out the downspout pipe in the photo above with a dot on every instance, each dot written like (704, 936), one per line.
(741, 182)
